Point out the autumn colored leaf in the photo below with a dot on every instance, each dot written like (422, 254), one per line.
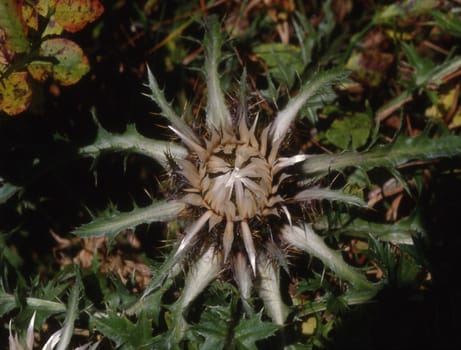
(63, 60)
(11, 23)
(30, 16)
(370, 67)
(76, 14)
(43, 6)
(52, 28)
(4, 60)
(447, 105)
(15, 93)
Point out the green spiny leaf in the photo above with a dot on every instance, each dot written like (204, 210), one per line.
(125, 334)
(306, 239)
(218, 115)
(351, 297)
(399, 270)
(132, 141)
(166, 110)
(71, 314)
(10, 302)
(389, 156)
(427, 72)
(317, 85)
(442, 70)
(161, 211)
(249, 331)
(328, 194)
(200, 275)
(401, 232)
(214, 327)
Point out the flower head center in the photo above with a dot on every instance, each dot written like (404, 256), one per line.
(236, 181)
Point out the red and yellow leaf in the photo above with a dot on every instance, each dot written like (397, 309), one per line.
(15, 93)
(67, 63)
(73, 15)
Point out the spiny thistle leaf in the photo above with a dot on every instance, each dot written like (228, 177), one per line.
(124, 333)
(351, 297)
(132, 141)
(249, 331)
(269, 290)
(9, 302)
(214, 327)
(443, 70)
(306, 239)
(401, 232)
(169, 268)
(205, 270)
(218, 116)
(317, 85)
(151, 305)
(71, 314)
(426, 72)
(330, 195)
(161, 211)
(389, 156)
(159, 98)
(399, 270)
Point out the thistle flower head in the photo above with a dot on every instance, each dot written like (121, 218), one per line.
(234, 175)
(232, 182)
(237, 216)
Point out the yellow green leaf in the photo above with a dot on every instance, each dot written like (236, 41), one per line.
(52, 28)
(308, 327)
(446, 101)
(43, 6)
(73, 15)
(15, 93)
(30, 16)
(11, 23)
(63, 60)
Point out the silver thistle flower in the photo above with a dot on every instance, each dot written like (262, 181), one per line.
(238, 217)
(234, 174)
